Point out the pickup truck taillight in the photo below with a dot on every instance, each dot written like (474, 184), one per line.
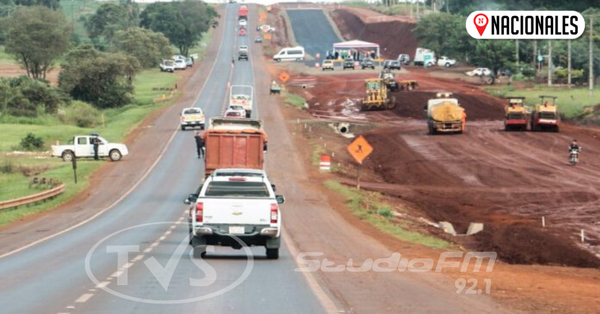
(274, 215)
(199, 212)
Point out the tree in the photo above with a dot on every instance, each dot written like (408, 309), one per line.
(148, 47)
(37, 36)
(51, 4)
(100, 78)
(181, 22)
(493, 54)
(107, 14)
(22, 96)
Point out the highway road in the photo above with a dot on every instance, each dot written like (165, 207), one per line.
(51, 277)
(313, 31)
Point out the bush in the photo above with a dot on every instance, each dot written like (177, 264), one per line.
(385, 213)
(528, 71)
(32, 142)
(7, 167)
(80, 114)
(24, 97)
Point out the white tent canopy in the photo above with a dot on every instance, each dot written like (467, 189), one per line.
(356, 45)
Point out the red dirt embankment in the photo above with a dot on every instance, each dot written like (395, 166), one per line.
(394, 37)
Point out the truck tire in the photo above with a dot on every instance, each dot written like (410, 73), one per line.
(273, 253)
(183, 127)
(68, 156)
(115, 155)
(277, 60)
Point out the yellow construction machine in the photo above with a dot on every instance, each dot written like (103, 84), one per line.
(377, 97)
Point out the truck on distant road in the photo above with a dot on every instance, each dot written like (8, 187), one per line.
(242, 95)
(82, 146)
(235, 208)
(234, 143)
(423, 55)
(445, 115)
(243, 12)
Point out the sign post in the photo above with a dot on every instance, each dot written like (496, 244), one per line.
(359, 149)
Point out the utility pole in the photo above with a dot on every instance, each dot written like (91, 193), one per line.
(447, 4)
(535, 55)
(591, 77)
(549, 62)
(517, 53)
(569, 63)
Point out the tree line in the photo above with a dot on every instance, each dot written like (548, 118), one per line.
(123, 40)
(444, 32)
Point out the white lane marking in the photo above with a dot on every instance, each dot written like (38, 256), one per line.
(102, 284)
(70, 307)
(160, 156)
(153, 245)
(168, 232)
(92, 290)
(314, 285)
(137, 258)
(175, 226)
(148, 250)
(127, 265)
(162, 238)
(63, 313)
(180, 219)
(84, 298)
(117, 274)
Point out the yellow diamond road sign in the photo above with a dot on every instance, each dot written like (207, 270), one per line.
(360, 149)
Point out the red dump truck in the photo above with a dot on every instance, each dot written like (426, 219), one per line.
(234, 143)
(243, 13)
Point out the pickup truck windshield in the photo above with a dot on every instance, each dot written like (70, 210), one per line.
(237, 189)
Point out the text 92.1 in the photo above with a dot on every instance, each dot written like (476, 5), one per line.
(471, 284)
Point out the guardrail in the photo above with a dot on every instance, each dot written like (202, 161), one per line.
(42, 196)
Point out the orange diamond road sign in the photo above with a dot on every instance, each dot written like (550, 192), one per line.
(284, 77)
(360, 149)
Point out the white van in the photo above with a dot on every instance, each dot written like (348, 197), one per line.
(290, 54)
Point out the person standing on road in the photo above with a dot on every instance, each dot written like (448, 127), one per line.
(95, 142)
(199, 144)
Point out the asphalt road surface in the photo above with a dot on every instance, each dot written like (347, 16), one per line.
(313, 31)
(51, 277)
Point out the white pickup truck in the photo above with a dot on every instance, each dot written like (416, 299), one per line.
(242, 95)
(235, 208)
(82, 147)
(192, 117)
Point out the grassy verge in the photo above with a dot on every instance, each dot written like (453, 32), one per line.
(369, 207)
(5, 58)
(295, 100)
(571, 101)
(117, 123)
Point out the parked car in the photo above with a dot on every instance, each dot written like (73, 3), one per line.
(258, 39)
(480, 72)
(348, 64)
(192, 117)
(239, 202)
(367, 63)
(327, 65)
(444, 61)
(189, 62)
(391, 64)
(404, 59)
(180, 64)
(167, 66)
(82, 146)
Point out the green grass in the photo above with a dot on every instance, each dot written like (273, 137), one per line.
(368, 207)
(6, 58)
(61, 171)
(294, 100)
(571, 102)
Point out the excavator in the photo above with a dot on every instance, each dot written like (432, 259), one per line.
(377, 97)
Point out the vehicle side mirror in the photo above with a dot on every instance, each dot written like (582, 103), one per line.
(191, 199)
(273, 186)
(425, 108)
(280, 199)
